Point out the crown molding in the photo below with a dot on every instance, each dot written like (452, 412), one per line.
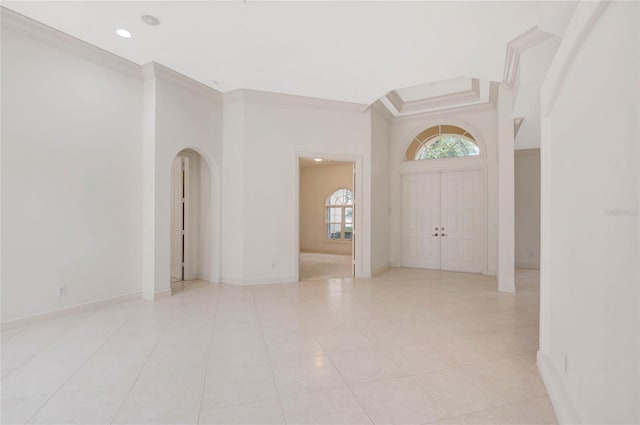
(447, 112)
(394, 98)
(493, 94)
(476, 93)
(516, 47)
(155, 70)
(477, 106)
(526, 151)
(517, 123)
(26, 26)
(233, 96)
(258, 96)
(379, 107)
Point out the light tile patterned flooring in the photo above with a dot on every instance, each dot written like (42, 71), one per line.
(406, 347)
(314, 266)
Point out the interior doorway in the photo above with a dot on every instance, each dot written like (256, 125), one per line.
(190, 217)
(443, 221)
(327, 219)
(178, 198)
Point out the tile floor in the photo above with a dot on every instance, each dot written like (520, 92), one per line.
(406, 347)
(314, 266)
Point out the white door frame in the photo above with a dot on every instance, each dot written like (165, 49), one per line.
(187, 273)
(357, 243)
(452, 169)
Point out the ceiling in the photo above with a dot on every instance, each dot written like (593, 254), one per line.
(347, 51)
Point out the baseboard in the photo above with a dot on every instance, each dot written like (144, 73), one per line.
(565, 411)
(208, 279)
(28, 320)
(381, 269)
(200, 277)
(527, 266)
(155, 296)
(242, 282)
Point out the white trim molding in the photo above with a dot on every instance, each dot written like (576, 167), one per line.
(258, 96)
(21, 24)
(585, 17)
(155, 70)
(515, 48)
(562, 405)
(272, 281)
(29, 320)
(382, 110)
(470, 92)
(155, 296)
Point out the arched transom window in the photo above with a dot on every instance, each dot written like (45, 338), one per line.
(442, 141)
(340, 215)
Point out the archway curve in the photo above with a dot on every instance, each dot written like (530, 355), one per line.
(411, 134)
(215, 208)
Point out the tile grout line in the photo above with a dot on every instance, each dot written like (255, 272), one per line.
(135, 381)
(266, 349)
(206, 371)
(18, 331)
(503, 405)
(80, 321)
(124, 322)
(341, 377)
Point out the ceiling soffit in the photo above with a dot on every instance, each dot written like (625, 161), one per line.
(446, 94)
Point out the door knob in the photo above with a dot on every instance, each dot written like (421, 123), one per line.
(435, 234)
(444, 234)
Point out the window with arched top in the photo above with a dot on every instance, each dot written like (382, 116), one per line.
(339, 214)
(442, 141)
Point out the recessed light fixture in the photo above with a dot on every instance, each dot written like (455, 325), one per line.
(150, 20)
(317, 159)
(123, 33)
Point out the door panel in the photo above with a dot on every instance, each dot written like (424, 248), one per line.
(463, 221)
(176, 219)
(421, 217)
(450, 200)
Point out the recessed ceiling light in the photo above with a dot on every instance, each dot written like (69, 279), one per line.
(150, 20)
(317, 159)
(123, 33)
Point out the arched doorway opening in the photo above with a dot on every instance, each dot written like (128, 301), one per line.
(190, 218)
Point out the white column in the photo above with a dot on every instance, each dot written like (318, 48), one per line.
(506, 195)
(233, 193)
(149, 185)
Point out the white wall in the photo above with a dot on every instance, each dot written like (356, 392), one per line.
(207, 238)
(266, 133)
(506, 190)
(527, 207)
(481, 123)
(184, 114)
(316, 184)
(380, 201)
(71, 176)
(589, 278)
(233, 234)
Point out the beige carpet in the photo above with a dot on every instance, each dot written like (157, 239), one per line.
(315, 266)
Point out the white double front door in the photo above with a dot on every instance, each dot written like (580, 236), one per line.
(443, 221)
